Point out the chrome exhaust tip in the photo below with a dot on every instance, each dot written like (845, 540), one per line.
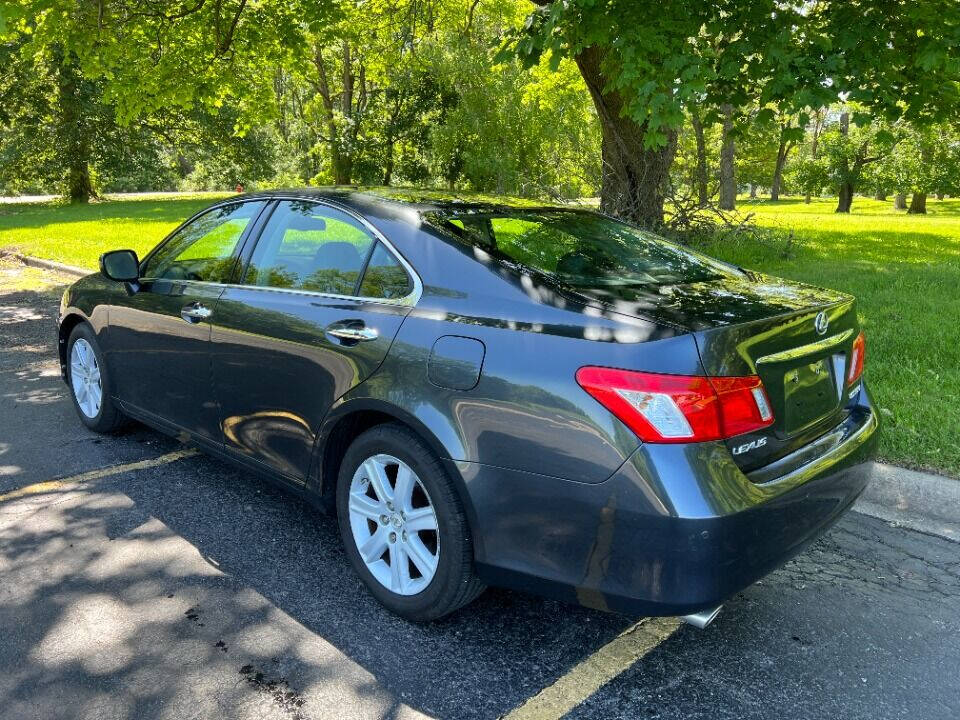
(702, 618)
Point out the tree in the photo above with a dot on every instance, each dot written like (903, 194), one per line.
(728, 182)
(934, 159)
(763, 148)
(925, 161)
(700, 177)
(141, 59)
(817, 122)
(791, 56)
(847, 151)
(58, 133)
(787, 138)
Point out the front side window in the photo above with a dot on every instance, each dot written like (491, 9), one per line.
(204, 249)
(306, 246)
(582, 248)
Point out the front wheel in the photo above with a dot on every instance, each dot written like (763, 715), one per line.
(403, 526)
(89, 384)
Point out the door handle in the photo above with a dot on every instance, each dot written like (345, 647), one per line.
(195, 312)
(352, 333)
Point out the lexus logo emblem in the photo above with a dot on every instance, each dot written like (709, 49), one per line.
(821, 323)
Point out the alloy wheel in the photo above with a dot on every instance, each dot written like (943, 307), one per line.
(85, 378)
(394, 524)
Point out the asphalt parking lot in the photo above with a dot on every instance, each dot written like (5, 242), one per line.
(141, 580)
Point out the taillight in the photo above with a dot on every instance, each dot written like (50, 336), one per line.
(679, 408)
(856, 358)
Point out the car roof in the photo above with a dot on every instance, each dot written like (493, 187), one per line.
(420, 200)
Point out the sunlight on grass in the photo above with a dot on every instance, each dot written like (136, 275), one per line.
(904, 270)
(78, 234)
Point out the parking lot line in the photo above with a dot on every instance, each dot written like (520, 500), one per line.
(588, 676)
(51, 485)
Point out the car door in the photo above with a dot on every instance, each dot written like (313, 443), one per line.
(318, 305)
(158, 347)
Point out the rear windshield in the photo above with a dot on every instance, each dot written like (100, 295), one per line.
(582, 248)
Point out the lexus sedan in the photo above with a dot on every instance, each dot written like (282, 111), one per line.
(489, 392)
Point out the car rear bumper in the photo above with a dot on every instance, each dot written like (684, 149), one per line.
(678, 528)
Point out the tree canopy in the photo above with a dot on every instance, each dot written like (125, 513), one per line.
(895, 60)
(626, 98)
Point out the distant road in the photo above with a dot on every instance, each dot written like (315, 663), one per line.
(17, 199)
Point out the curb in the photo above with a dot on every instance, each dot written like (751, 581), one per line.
(51, 265)
(918, 500)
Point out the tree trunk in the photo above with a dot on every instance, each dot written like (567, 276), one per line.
(634, 178)
(342, 166)
(388, 166)
(918, 204)
(777, 177)
(941, 195)
(845, 199)
(900, 201)
(814, 146)
(73, 130)
(728, 182)
(783, 152)
(701, 171)
(753, 190)
(880, 195)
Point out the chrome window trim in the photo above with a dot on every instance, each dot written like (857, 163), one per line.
(410, 299)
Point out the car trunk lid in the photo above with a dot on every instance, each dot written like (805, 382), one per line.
(797, 338)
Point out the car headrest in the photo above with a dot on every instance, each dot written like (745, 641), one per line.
(300, 221)
(337, 256)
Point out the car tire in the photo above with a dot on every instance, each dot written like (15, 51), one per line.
(86, 377)
(384, 454)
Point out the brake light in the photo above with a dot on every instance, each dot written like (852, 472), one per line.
(857, 355)
(679, 408)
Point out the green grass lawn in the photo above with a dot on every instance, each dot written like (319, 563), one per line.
(78, 234)
(905, 271)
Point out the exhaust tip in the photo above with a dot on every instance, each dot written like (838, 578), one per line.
(702, 618)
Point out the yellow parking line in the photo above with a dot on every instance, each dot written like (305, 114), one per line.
(597, 670)
(51, 485)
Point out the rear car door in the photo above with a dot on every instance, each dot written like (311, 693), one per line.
(158, 347)
(316, 310)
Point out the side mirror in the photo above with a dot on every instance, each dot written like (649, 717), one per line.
(120, 265)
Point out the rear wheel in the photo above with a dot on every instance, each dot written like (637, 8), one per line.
(403, 526)
(89, 384)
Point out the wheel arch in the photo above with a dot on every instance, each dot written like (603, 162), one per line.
(67, 324)
(353, 417)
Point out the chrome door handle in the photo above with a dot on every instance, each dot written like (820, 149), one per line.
(353, 334)
(195, 312)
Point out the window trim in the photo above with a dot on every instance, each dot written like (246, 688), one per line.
(410, 299)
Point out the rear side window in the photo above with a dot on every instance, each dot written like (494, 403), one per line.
(582, 248)
(306, 246)
(385, 276)
(204, 249)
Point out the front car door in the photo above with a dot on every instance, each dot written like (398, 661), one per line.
(316, 311)
(158, 347)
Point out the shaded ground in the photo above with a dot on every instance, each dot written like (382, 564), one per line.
(193, 590)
